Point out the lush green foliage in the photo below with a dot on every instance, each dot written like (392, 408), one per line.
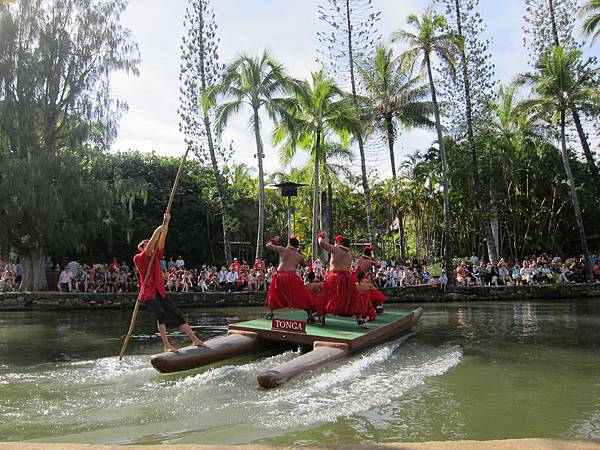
(55, 103)
(63, 194)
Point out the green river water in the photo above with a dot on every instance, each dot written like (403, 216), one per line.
(469, 371)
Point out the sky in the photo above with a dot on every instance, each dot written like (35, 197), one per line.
(288, 29)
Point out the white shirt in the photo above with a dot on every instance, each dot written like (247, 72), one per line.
(180, 263)
(232, 276)
(65, 277)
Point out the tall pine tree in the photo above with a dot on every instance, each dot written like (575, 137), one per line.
(351, 36)
(469, 94)
(200, 70)
(549, 24)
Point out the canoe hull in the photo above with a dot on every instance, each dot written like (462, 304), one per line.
(224, 347)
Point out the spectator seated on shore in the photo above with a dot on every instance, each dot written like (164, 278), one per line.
(380, 278)
(463, 277)
(443, 281)
(231, 279)
(64, 280)
(7, 283)
(596, 272)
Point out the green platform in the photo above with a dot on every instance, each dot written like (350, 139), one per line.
(337, 329)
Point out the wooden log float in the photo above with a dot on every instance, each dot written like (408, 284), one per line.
(322, 353)
(235, 343)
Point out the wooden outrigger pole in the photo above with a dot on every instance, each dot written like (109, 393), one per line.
(151, 262)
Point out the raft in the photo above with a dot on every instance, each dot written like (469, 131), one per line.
(339, 338)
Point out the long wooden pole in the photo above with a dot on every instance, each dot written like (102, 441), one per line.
(151, 262)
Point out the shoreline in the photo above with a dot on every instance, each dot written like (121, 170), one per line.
(36, 301)
(505, 444)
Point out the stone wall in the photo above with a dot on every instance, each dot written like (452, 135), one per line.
(24, 301)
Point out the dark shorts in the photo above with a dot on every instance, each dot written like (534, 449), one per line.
(166, 312)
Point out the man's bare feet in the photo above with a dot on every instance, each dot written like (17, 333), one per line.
(170, 349)
(362, 324)
(199, 343)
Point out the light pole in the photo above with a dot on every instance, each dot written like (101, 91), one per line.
(288, 189)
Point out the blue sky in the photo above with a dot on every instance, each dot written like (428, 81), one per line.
(288, 28)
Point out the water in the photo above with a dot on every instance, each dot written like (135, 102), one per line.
(476, 371)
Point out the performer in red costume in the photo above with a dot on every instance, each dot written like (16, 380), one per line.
(153, 289)
(371, 293)
(287, 289)
(340, 295)
(313, 285)
(366, 262)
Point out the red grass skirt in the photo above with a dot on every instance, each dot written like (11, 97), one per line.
(340, 296)
(376, 297)
(288, 291)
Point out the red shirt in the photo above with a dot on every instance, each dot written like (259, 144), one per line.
(156, 281)
(235, 266)
(259, 265)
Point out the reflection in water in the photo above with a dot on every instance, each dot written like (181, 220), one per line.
(470, 371)
(525, 319)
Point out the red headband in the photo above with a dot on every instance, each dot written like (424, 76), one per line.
(339, 238)
(292, 237)
(368, 248)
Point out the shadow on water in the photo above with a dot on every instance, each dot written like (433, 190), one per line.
(470, 371)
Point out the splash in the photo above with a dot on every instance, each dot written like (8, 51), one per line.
(366, 381)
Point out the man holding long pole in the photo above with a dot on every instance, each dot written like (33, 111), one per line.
(153, 287)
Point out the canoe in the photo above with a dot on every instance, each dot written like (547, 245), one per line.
(339, 338)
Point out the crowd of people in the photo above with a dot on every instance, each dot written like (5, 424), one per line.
(239, 276)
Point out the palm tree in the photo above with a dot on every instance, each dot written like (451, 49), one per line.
(590, 13)
(254, 82)
(395, 98)
(430, 39)
(318, 110)
(558, 88)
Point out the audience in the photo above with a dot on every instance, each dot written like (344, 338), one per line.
(240, 276)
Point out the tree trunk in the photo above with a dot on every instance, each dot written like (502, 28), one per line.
(361, 148)
(390, 138)
(210, 247)
(330, 208)
(222, 191)
(315, 211)
(487, 226)
(553, 23)
(261, 186)
(402, 236)
(589, 158)
(219, 181)
(397, 212)
(494, 221)
(325, 216)
(575, 200)
(34, 273)
(445, 183)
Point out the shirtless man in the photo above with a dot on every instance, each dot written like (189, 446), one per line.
(366, 263)
(153, 289)
(340, 295)
(371, 293)
(313, 285)
(287, 289)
